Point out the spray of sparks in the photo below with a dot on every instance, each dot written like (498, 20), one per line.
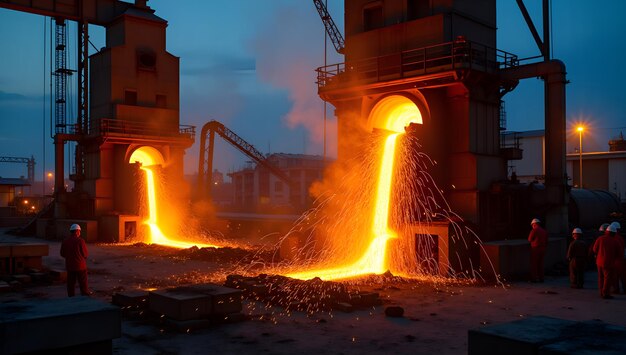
(406, 227)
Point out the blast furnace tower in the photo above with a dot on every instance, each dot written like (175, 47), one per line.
(440, 54)
(134, 101)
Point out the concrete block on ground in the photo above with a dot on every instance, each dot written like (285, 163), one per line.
(179, 304)
(23, 279)
(40, 277)
(32, 262)
(589, 338)
(5, 250)
(21, 264)
(522, 337)
(224, 300)
(4, 266)
(29, 249)
(5, 287)
(58, 324)
(511, 258)
(58, 275)
(131, 299)
(17, 265)
(118, 228)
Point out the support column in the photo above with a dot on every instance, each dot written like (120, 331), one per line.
(59, 163)
(553, 74)
(60, 198)
(556, 178)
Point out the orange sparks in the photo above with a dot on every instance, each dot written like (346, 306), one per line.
(374, 260)
(393, 114)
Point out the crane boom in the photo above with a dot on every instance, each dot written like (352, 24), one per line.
(331, 28)
(30, 164)
(231, 137)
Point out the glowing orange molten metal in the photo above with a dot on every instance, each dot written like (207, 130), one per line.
(149, 157)
(392, 113)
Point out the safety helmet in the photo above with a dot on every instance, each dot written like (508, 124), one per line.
(611, 228)
(616, 225)
(577, 231)
(603, 227)
(535, 220)
(74, 227)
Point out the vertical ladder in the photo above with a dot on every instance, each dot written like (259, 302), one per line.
(60, 76)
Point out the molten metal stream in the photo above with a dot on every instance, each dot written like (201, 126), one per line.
(374, 261)
(156, 236)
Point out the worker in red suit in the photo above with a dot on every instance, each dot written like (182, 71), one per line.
(606, 249)
(74, 250)
(620, 264)
(538, 239)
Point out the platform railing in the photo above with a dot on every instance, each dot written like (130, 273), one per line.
(107, 126)
(459, 54)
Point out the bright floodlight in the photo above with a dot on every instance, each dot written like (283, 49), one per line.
(580, 128)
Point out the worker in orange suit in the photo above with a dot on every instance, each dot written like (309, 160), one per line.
(74, 250)
(538, 239)
(606, 249)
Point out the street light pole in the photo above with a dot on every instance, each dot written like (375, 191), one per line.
(580, 154)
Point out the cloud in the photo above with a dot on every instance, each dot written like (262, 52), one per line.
(218, 64)
(14, 97)
(288, 48)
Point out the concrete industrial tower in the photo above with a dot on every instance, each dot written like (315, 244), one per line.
(128, 100)
(442, 56)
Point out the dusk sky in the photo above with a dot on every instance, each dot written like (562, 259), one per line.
(250, 64)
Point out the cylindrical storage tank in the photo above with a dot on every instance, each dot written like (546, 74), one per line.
(591, 208)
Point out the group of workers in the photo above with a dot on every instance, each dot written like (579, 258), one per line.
(610, 252)
(608, 249)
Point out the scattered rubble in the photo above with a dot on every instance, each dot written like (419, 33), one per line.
(394, 311)
(308, 296)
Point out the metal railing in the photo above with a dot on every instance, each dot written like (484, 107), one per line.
(459, 54)
(107, 126)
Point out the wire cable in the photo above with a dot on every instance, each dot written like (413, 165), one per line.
(43, 121)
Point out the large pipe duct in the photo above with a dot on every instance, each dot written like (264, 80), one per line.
(553, 74)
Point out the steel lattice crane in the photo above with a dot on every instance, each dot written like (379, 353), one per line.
(30, 164)
(331, 28)
(205, 169)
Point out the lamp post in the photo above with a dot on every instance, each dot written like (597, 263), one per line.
(580, 130)
(51, 180)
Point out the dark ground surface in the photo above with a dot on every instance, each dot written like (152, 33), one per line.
(436, 318)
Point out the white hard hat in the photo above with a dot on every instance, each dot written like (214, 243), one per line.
(611, 228)
(603, 227)
(74, 227)
(577, 231)
(535, 220)
(616, 225)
